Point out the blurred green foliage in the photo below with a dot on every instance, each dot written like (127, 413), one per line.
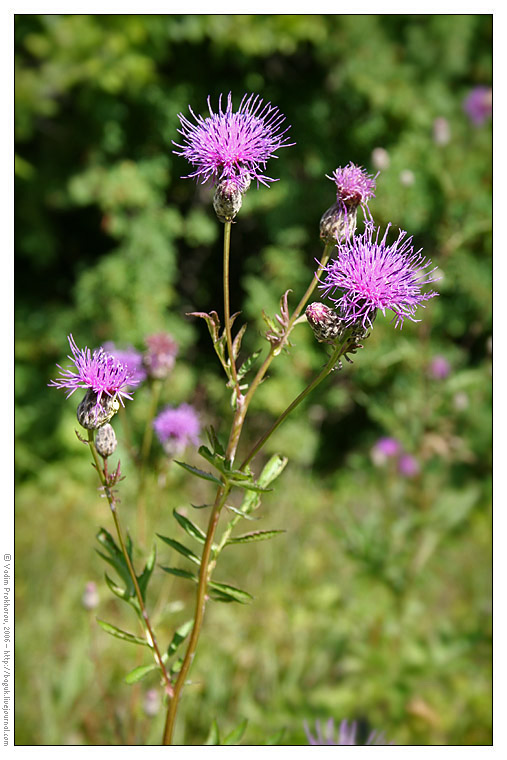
(375, 605)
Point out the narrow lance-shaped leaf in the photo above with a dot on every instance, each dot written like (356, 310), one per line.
(237, 594)
(214, 441)
(213, 736)
(136, 674)
(183, 550)
(119, 634)
(199, 473)
(258, 535)
(145, 576)
(189, 527)
(180, 635)
(179, 572)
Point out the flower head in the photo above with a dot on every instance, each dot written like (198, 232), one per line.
(370, 274)
(385, 448)
(131, 358)
(176, 428)
(354, 187)
(233, 145)
(161, 354)
(478, 105)
(346, 735)
(100, 373)
(408, 466)
(324, 321)
(439, 367)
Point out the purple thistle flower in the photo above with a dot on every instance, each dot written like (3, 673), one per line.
(346, 735)
(408, 466)
(370, 275)
(354, 187)
(439, 368)
(176, 428)
(478, 105)
(384, 449)
(99, 372)
(233, 146)
(131, 358)
(161, 355)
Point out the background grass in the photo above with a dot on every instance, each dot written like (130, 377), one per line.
(375, 603)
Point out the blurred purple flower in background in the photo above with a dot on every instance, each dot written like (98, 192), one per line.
(90, 598)
(439, 368)
(161, 354)
(478, 105)
(131, 358)
(385, 449)
(233, 146)
(99, 372)
(177, 427)
(408, 466)
(346, 735)
(370, 275)
(380, 159)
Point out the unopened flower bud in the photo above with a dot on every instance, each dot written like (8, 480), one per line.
(105, 440)
(91, 414)
(324, 321)
(90, 598)
(338, 222)
(228, 199)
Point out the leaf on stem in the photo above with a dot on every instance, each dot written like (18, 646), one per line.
(189, 527)
(236, 344)
(248, 364)
(226, 593)
(144, 577)
(277, 333)
(180, 573)
(258, 535)
(119, 634)
(180, 635)
(115, 559)
(136, 674)
(214, 736)
(199, 473)
(188, 553)
(214, 441)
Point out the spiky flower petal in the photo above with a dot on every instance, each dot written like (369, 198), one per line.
(354, 186)
(98, 372)
(233, 145)
(346, 735)
(370, 275)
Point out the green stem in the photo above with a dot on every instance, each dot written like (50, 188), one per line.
(227, 308)
(200, 605)
(133, 576)
(207, 564)
(309, 388)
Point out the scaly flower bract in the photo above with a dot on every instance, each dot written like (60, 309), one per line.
(346, 735)
(233, 145)
(99, 372)
(369, 274)
(177, 427)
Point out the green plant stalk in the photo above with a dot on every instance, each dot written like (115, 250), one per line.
(239, 418)
(227, 308)
(275, 350)
(337, 352)
(145, 452)
(144, 614)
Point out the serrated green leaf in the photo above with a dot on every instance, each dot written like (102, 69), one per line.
(214, 441)
(236, 594)
(199, 473)
(179, 572)
(180, 635)
(248, 364)
(236, 734)
(213, 736)
(188, 553)
(136, 674)
(145, 576)
(257, 535)
(249, 486)
(189, 527)
(119, 634)
(214, 459)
